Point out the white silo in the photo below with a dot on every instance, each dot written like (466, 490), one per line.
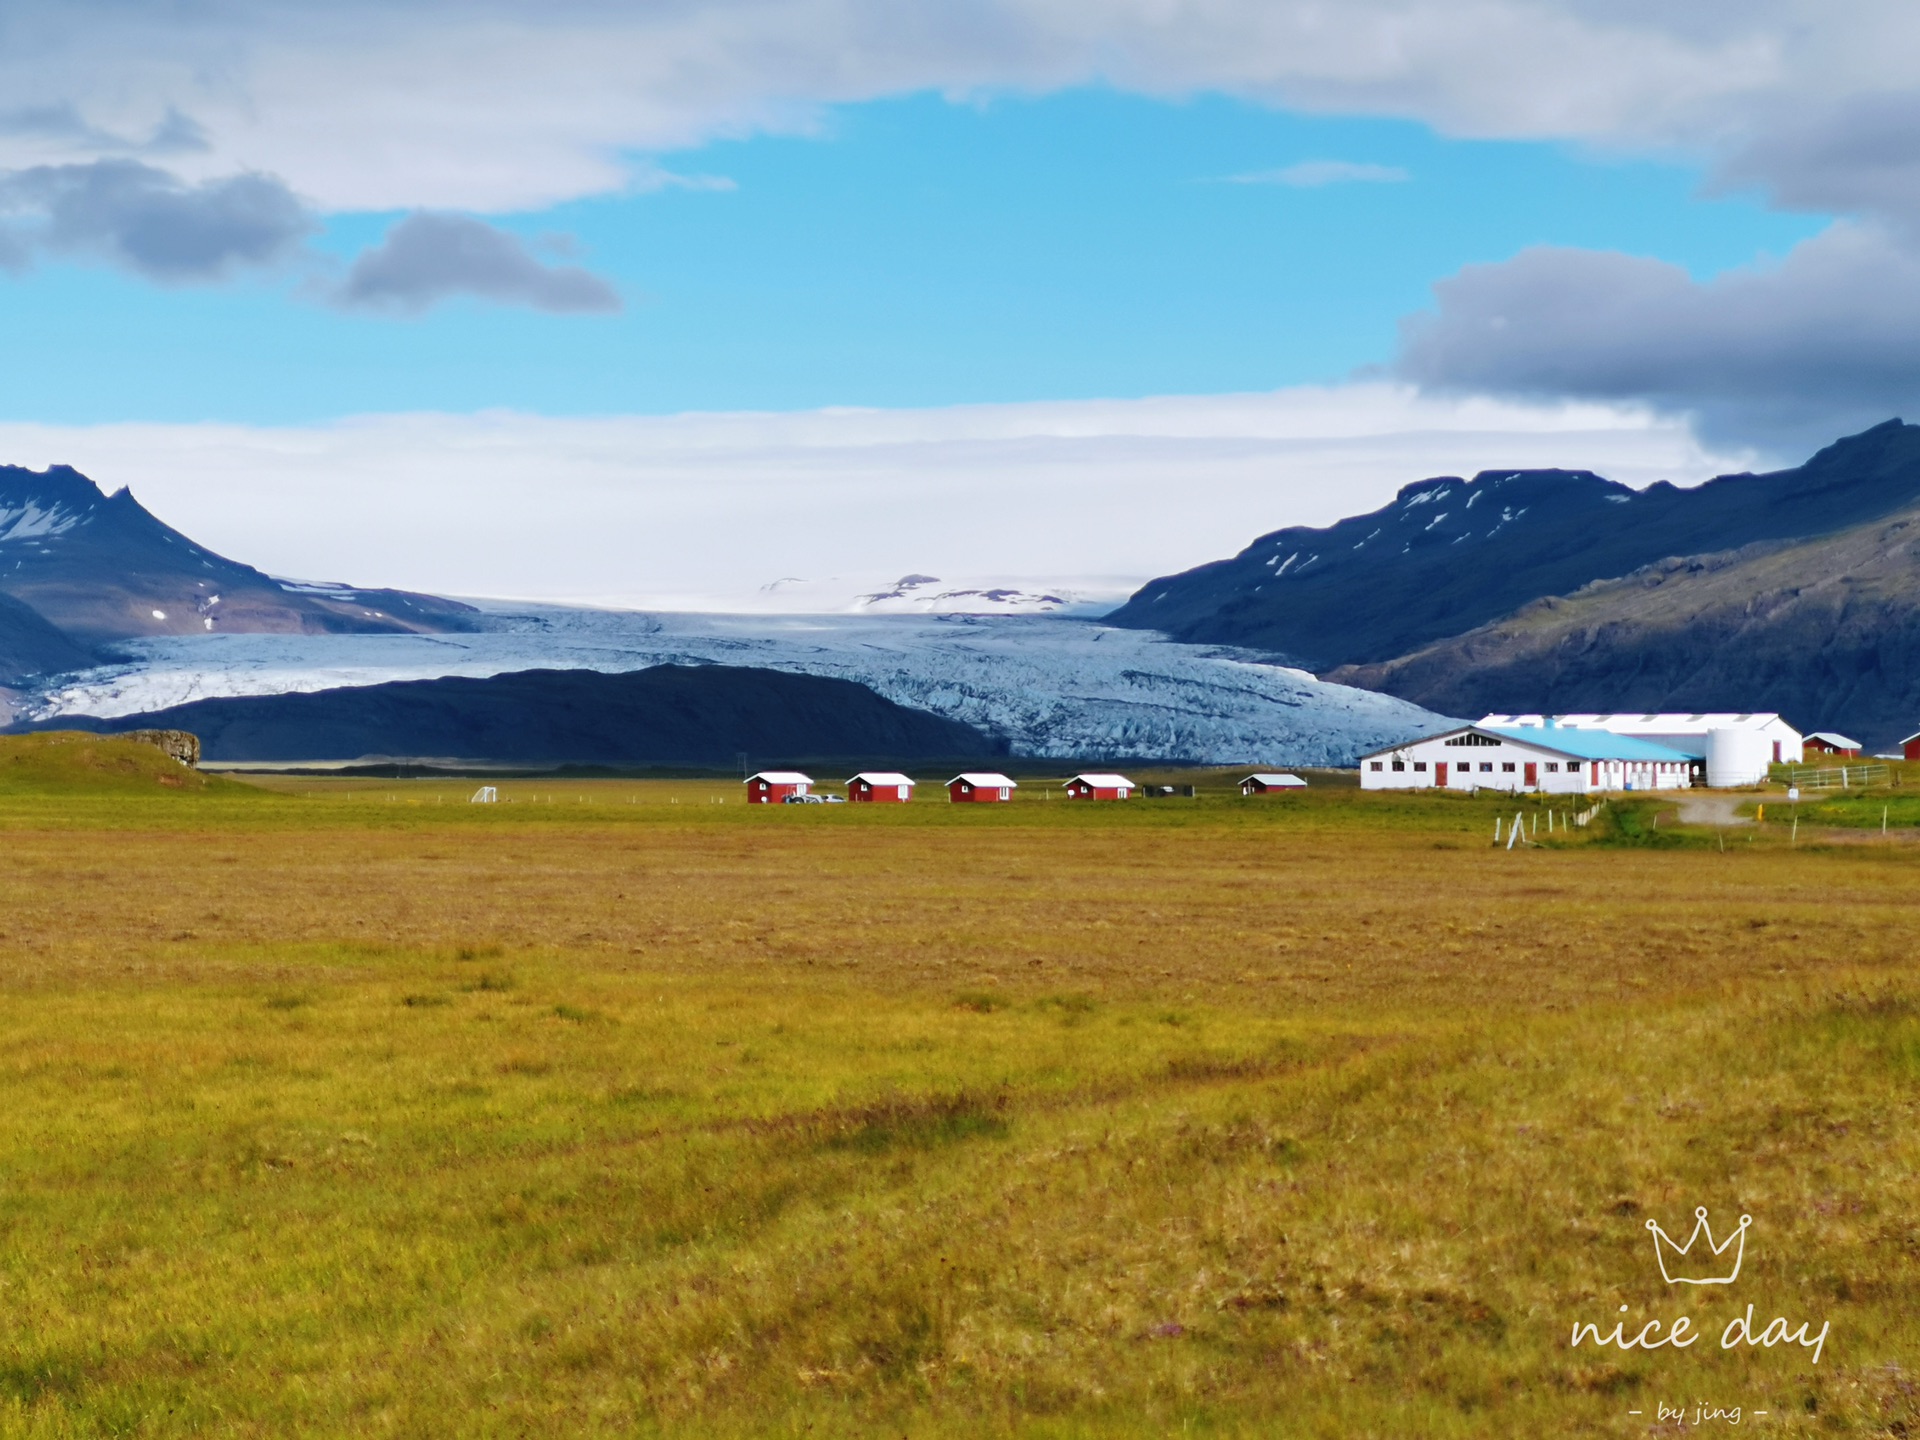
(1737, 757)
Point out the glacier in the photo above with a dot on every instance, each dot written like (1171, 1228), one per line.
(1054, 687)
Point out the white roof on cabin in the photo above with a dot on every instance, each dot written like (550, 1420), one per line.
(1105, 782)
(1839, 742)
(985, 780)
(882, 777)
(1270, 779)
(781, 777)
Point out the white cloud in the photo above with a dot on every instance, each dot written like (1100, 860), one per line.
(1311, 174)
(707, 509)
(513, 105)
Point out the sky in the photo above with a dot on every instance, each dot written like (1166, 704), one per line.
(660, 304)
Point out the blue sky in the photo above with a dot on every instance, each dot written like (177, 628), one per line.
(486, 266)
(911, 252)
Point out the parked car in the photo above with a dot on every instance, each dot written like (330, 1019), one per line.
(815, 800)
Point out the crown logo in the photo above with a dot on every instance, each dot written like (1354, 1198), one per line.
(1675, 1273)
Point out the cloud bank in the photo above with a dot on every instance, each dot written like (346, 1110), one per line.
(1788, 353)
(511, 105)
(703, 511)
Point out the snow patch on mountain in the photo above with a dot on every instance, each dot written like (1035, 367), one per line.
(1054, 687)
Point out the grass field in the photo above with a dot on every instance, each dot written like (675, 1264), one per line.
(345, 1107)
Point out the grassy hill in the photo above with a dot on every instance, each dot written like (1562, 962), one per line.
(1827, 632)
(78, 764)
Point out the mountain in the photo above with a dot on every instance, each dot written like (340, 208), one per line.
(1827, 632)
(102, 568)
(669, 715)
(31, 645)
(1449, 555)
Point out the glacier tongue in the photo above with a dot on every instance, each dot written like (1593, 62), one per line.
(1054, 687)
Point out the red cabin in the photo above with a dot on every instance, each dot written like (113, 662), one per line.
(1099, 787)
(883, 787)
(1910, 747)
(978, 787)
(772, 787)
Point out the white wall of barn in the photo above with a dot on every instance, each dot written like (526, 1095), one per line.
(1502, 765)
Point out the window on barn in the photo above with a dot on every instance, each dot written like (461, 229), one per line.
(1486, 766)
(1379, 765)
(1420, 767)
(1553, 767)
(1507, 765)
(1399, 764)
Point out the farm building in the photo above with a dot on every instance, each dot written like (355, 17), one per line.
(1545, 758)
(1726, 749)
(1099, 787)
(980, 786)
(1910, 747)
(888, 787)
(1828, 743)
(1271, 783)
(772, 787)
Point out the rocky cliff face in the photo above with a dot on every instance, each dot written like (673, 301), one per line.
(1449, 555)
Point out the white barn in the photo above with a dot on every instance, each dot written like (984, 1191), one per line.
(1726, 748)
(1543, 758)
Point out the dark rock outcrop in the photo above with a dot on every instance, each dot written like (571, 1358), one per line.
(32, 645)
(668, 715)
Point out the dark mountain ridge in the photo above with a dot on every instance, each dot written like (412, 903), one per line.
(102, 568)
(668, 715)
(1449, 555)
(1826, 632)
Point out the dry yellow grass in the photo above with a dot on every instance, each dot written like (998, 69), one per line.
(356, 1111)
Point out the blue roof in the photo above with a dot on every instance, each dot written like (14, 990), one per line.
(1588, 744)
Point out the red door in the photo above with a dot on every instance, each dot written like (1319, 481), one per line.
(1533, 776)
(1440, 773)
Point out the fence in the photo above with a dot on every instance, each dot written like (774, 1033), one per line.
(1834, 777)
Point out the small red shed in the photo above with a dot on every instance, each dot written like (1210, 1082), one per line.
(1099, 786)
(980, 787)
(772, 787)
(1910, 747)
(885, 787)
(1828, 743)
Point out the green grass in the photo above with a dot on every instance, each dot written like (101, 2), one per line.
(364, 1111)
